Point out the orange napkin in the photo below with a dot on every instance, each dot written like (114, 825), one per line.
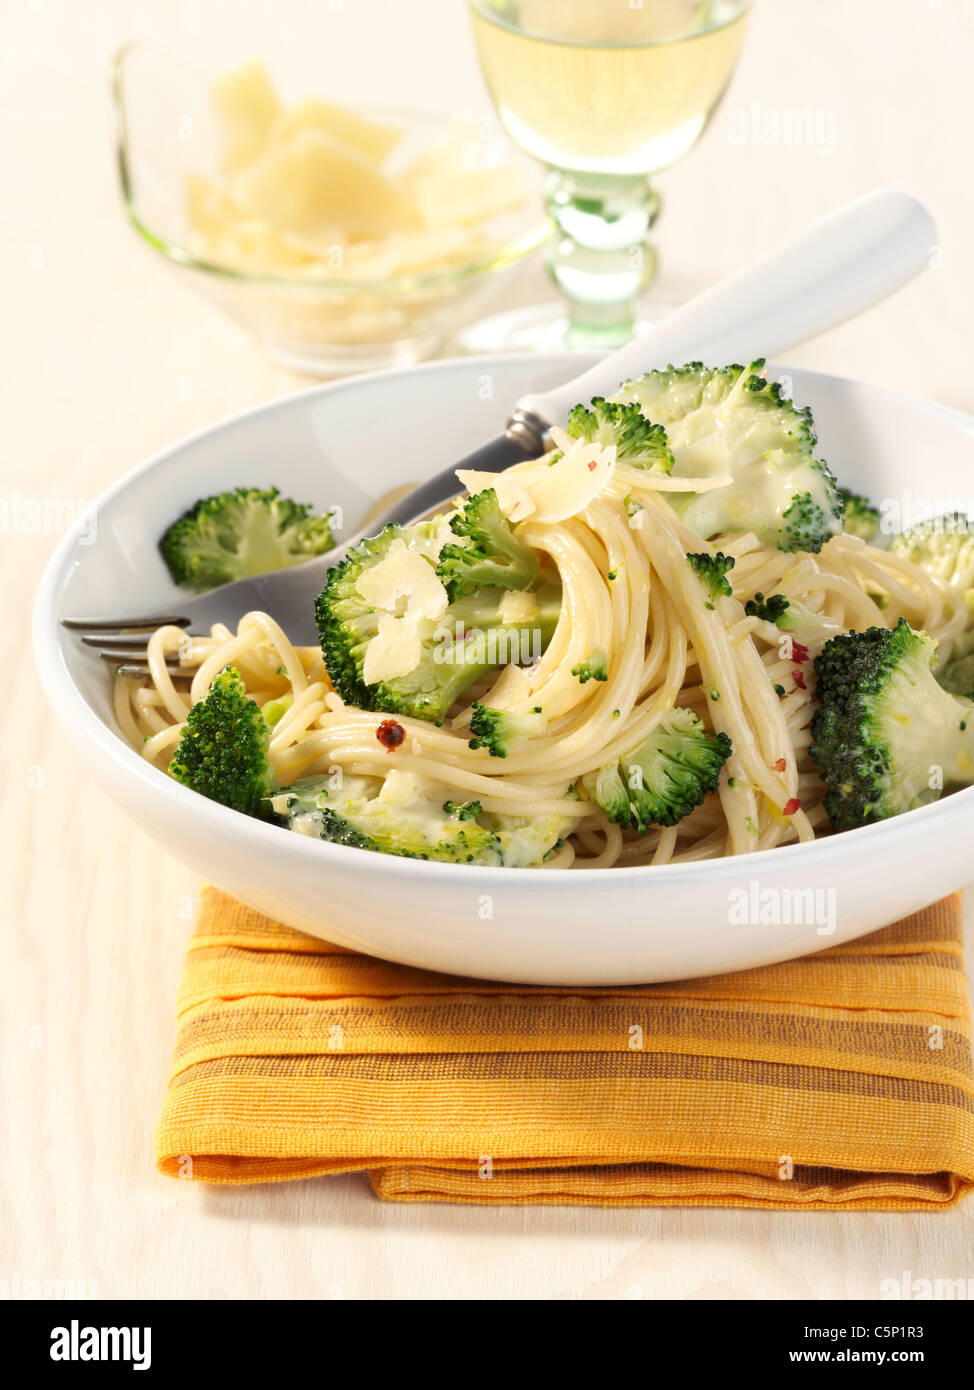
(842, 1080)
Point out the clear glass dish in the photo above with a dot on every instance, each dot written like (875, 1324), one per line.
(166, 130)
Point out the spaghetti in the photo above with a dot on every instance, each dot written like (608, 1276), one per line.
(628, 592)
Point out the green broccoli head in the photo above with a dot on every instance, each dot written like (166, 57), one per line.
(527, 841)
(244, 532)
(731, 421)
(663, 778)
(359, 811)
(944, 547)
(500, 731)
(638, 443)
(860, 518)
(809, 520)
(885, 735)
(786, 613)
(712, 571)
(489, 553)
(222, 753)
(773, 609)
(595, 667)
(464, 641)
(397, 815)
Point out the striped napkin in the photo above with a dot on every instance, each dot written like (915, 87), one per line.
(840, 1080)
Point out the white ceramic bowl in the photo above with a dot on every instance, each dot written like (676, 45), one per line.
(350, 442)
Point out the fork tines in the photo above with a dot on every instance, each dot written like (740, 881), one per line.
(126, 654)
(121, 625)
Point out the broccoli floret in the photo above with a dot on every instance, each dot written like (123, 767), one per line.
(730, 420)
(712, 572)
(810, 518)
(860, 518)
(398, 817)
(885, 735)
(944, 547)
(662, 779)
(361, 812)
(786, 613)
(489, 554)
(466, 639)
(770, 610)
(638, 443)
(595, 667)
(525, 842)
(235, 534)
(501, 730)
(223, 749)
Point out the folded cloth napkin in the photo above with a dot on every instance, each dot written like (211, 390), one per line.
(842, 1080)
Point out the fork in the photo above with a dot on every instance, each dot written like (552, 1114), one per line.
(839, 266)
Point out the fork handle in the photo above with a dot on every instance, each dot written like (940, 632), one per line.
(836, 268)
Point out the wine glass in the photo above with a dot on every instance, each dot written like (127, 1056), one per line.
(604, 93)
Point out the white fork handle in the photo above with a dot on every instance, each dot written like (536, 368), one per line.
(837, 267)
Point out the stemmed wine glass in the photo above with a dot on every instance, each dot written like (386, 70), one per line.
(604, 93)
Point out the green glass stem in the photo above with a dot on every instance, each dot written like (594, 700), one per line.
(601, 257)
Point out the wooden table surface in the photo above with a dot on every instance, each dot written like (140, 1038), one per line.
(106, 357)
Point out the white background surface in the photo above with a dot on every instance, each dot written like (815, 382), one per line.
(104, 357)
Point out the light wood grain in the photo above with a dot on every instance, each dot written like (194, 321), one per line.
(98, 345)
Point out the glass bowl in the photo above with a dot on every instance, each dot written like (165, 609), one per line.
(317, 323)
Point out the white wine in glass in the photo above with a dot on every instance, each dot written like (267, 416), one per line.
(605, 93)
